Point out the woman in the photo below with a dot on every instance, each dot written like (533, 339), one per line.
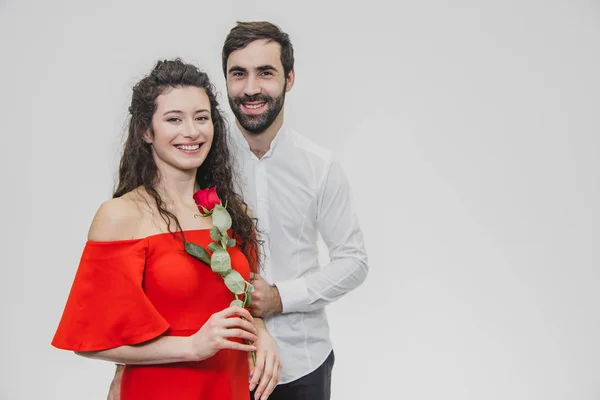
(138, 299)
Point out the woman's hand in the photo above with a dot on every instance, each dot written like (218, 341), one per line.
(215, 333)
(268, 364)
(114, 392)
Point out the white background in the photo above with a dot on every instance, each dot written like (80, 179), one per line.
(469, 132)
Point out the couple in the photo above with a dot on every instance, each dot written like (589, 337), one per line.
(139, 300)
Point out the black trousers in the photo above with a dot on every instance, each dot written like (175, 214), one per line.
(314, 386)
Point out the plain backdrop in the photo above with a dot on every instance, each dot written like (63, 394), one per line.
(468, 130)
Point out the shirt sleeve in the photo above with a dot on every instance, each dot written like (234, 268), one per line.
(107, 306)
(340, 230)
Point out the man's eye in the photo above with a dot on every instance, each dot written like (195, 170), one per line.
(267, 73)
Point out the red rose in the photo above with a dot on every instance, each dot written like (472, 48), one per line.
(207, 199)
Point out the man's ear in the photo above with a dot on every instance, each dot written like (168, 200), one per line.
(290, 80)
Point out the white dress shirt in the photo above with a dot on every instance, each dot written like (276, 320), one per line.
(297, 191)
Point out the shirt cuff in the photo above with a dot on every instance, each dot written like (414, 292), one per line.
(293, 294)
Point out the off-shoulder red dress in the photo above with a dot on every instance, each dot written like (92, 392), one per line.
(129, 291)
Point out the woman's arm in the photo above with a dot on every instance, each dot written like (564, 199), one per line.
(165, 349)
(115, 220)
(212, 337)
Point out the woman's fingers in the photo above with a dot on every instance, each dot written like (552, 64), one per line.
(230, 344)
(267, 376)
(258, 369)
(239, 333)
(236, 311)
(274, 381)
(229, 323)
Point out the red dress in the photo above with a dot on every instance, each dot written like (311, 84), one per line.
(129, 291)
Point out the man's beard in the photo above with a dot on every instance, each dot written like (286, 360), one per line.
(257, 123)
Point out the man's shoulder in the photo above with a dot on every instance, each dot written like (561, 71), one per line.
(308, 145)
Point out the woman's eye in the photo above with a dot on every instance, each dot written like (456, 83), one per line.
(173, 119)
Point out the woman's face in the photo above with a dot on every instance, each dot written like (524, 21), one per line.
(182, 128)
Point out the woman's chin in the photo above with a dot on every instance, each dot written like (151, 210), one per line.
(190, 166)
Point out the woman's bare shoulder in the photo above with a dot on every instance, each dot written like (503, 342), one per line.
(118, 218)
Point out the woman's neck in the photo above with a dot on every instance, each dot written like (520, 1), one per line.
(176, 187)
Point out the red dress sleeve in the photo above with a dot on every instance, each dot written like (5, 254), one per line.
(107, 306)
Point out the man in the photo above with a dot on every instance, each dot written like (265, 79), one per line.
(295, 191)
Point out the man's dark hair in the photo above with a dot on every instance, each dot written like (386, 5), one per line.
(244, 33)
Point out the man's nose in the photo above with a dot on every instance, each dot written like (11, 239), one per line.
(252, 87)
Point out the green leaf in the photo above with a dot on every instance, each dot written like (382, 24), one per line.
(221, 219)
(213, 246)
(205, 211)
(235, 282)
(215, 234)
(237, 302)
(220, 261)
(198, 252)
(248, 299)
(231, 243)
(248, 294)
(224, 236)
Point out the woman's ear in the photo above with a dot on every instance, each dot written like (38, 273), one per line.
(147, 136)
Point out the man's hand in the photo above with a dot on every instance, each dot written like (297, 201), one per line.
(114, 393)
(268, 365)
(265, 298)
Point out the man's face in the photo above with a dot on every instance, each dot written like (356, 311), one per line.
(256, 84)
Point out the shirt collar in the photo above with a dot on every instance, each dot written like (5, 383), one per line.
(241, 140)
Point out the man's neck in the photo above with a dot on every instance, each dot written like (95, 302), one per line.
(261, 143)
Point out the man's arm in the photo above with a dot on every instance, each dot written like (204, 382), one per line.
(341, 233)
